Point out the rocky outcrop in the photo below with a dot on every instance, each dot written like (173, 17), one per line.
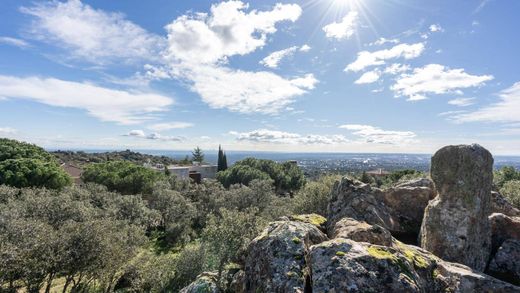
(503, 228)
(357, 200)
(500, 205)
(406, 203)
(505, 265)
(455, 225)
(349, 228)
(276, 260)
(205, 282)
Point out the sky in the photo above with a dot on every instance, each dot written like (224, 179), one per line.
(406, 76)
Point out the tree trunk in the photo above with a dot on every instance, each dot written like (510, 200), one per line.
(67, 283)
(49, 283)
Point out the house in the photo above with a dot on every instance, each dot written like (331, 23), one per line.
(185, 172)
(378, 173)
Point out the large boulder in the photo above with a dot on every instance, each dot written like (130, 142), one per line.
(406, 203)
(205, 282)
(500, 205)
(349, 228)
(276, 260)
(505, 265)
(357, 200)
(343, 265)
(455, 225)
(503, 228)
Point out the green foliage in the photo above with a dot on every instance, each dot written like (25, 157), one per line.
(504, 175)
(511, 191)
(286, 176)
(123, 177)
(228, 233)
(314, 197)
(222, 160)
(197, 155)
(81, 158)
(26, 165)
(13, 149)
(33, 173)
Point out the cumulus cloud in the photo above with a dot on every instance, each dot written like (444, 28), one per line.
(7, 130)
(14, 42)
(506, 110)
(93, 35)
(435, 28)
(169, 126)
(305, 48)
(152, 136)
(227, 31)
(200, 45)
(462, 102)
(123, 107)
(369, 77)
(435, 79)
(273, 59)
(343, 29)
(371, 134)
(396, 68)
(382, 41)
(280, 137)
(365, 59)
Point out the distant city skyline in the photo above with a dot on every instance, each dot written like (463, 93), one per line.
(397, 76)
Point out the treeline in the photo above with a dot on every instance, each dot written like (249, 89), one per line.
(81, 158)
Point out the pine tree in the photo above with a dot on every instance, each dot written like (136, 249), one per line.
(197, 155)
(220, 161)
(224, 162)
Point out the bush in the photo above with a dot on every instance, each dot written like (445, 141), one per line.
(511, 191)
(285, 176)
(504, 175)
(124, 177)
(314, 197)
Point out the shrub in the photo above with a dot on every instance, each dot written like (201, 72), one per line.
(314, 197)
(511, 191)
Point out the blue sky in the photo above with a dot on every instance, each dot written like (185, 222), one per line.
(338, 75)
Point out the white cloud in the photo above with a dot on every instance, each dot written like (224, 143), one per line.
(274, 58)
(396, 68)
(169, 126)
(305, 48)
(371, 134)
(7, 130)
(247, 92)
(369, 77)
(436, 28)
(123, 107)
(344, 29)
(227, 31)
(507, 110)
(136, 133)
(280, 137)
(200, 45)
(366, 59)
(152, 136)
(435, 79)
(382, 41)
(92, 35)
(14, 42)
(462, 102)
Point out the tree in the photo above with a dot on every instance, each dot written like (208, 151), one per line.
(228, 233)
(313, 198)
(27, 165)
(222, 160)
(505, 174)
(27, 172)
(122, 176)
(197, 155)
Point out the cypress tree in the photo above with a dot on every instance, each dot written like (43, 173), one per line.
(224, 161)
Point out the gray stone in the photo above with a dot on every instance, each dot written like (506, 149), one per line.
(505, 265)
(276, 260)
(205, 282)
(455, 225)
(349, 228)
